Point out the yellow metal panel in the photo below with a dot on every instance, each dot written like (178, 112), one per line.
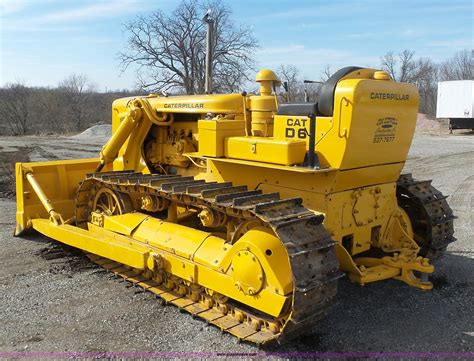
(267, 150)
(211, 253)
(346, 263)
(125, 223)
(375, 273)
(356, 212)
(96, 240)
(218, 125)
(203, 104)
(181, 267)
(174, 238)
(361, 177)
(297, 127)
(267, 301)
(383, 122)
(265, 167)
(361, 118)
(212, 134)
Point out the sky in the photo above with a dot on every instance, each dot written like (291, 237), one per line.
(44, 41)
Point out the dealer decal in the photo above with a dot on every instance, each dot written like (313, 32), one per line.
(385, 131)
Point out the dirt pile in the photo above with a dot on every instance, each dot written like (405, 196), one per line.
(101, 131)
(7, 170)
(426, 124)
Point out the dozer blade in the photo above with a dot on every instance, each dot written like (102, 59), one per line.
(59, 182)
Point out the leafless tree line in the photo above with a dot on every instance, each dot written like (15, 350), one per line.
(426, 74)
(167, 53)
(402, 67)
(72, 106)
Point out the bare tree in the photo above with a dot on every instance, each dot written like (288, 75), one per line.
(326, 73)
(389, 64)
(15, 107)
(298, 85)
(50, 109)
(422, 72)
(459, 67)
(289, 74)
(408, 69)
(401, 68)
(169, 50)
(426, 79)
(77, 90)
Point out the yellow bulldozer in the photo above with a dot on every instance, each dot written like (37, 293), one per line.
(246, 212)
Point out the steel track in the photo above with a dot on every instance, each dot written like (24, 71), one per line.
(309, 246)
(430, 215)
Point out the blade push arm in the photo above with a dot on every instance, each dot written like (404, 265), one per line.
(110, 150)
(137, 110)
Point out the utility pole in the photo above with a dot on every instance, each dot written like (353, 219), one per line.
(209, 50)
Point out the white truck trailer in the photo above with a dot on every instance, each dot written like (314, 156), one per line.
(456, 102)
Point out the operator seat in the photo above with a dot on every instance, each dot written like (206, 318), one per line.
(325, 103)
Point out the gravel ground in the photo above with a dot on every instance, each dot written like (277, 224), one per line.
(53, 299)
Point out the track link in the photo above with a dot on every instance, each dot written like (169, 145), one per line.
(310, 248)
(430, 214)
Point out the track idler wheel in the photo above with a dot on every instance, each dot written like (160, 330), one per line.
(111, 203)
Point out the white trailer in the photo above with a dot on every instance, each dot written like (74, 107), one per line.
(456, 102)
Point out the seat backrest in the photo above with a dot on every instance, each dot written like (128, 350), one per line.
(326, 95)
(301, 109)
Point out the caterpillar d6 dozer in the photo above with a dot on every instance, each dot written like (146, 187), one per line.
(244, 212)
